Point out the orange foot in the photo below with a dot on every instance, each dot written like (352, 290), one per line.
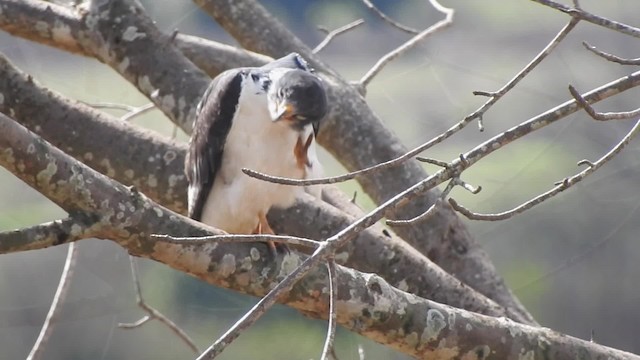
(263, 227)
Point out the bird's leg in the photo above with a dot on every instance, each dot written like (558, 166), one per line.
(263, 227)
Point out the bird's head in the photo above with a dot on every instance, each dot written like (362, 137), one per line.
(296, 97)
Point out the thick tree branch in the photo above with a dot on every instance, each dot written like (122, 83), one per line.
(120, 34)
(141, 158)
(49, 234)
(408, 323)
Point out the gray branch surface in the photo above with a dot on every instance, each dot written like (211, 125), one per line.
(365, 304)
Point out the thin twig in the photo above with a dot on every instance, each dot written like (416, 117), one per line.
(417, 219)
(495, 96)
(336, 32)
(137, 111)
(110, 105)
(456, 181)
(611, 57)
(390, 56)
(351, 175)
(623, 115)
(389, 20)
(152, 313)
(594, 19)
(132, 111)
(560, 187)
(291, 240)
(56, 304)
(328, 348)
(440, 163)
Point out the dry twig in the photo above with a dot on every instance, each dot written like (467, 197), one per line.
(496, 95)
(622, 115)
(328, 349)
(152, 313)
(390, 56)
(132, 111)
(567, 182)
(611, 57)
(389, 20)
(331, 35)
(56, 305)
(291, 240)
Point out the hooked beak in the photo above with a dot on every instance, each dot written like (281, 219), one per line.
(283, 110)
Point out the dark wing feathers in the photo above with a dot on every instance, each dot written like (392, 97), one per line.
(214, 115)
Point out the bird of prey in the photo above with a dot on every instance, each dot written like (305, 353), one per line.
(264, 119)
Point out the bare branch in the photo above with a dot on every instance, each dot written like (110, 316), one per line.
(110, 105)
(560, 187)
(76, 129)
(331, 35)
(383, 61)
(291, 240)
(455, 181)
(56, 304)
(424, 216)
(495, 96)
(328, 349)
(143, 58)
(436, 162)
(132, 111)
(137, 111)
(594, 19)
(611, 57)
(80, 226)
(388, 20)
(624, 115)
(152, 313)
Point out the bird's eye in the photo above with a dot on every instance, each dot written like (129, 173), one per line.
(255, 77)
(281, 93)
